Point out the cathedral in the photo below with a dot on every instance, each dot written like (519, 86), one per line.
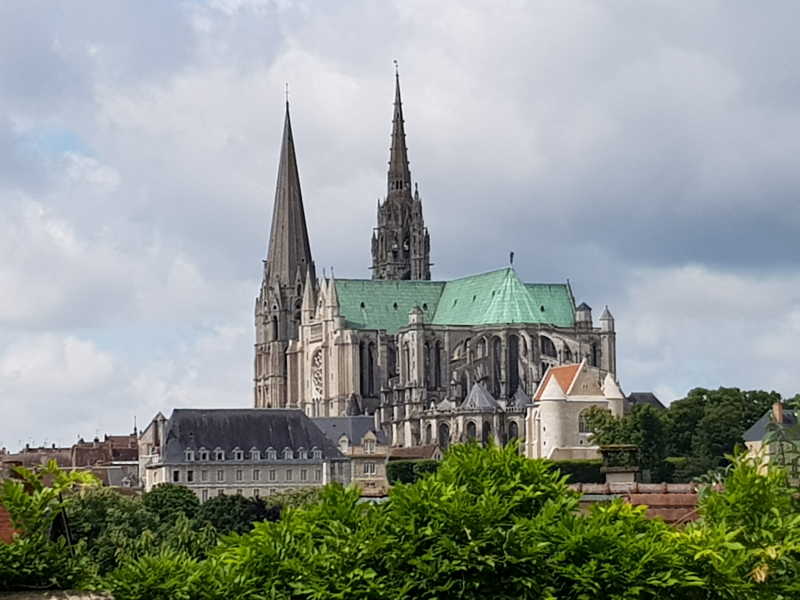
(434, 362)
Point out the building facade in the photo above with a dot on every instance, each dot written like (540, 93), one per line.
(249, 452)
(556, 424)
(366, 446)
(433, 362)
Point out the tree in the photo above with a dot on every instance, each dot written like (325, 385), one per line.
(236, 514)
(166, 500)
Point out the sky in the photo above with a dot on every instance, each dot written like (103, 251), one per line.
(646, 151)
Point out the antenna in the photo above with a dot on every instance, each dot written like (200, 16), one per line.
(286, 91)
(396, 68)
(511, 258)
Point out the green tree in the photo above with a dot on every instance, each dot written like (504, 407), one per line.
(235, 514)
(166, 500)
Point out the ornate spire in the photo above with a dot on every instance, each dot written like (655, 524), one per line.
(399, 175)
(289, 251)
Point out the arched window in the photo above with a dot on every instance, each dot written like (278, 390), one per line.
(444, 435)
(272, 454)
(203, 453)
(288, 454)
(548, 347)
(497, 360)
(427, 360)
(255, 454)
(595, 355)
(238, 454)
(371, 369)
(362, 355)
(437, 365)
(406, 362)
(274, 331)
(513, 364)
(391, 360)
(428, 433)
(464, 385)
(583, 422)
(486, 434)
(513, 431)
(188, 455)
(219, 453)
(471, 430)
(481, 348)
(567, 354)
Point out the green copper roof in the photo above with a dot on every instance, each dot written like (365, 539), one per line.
(378, 304)
(492, 298)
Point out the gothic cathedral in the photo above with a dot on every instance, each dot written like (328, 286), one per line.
(434, 362)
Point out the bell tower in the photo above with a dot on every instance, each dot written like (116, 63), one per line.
(400, 242)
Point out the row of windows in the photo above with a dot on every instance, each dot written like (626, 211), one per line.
(204, 494)
(218, 454)
(240, 474)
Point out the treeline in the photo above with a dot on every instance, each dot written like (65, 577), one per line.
(488, 523)
(693, 436)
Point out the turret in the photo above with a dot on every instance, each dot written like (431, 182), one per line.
(606, 320)
(583, 316)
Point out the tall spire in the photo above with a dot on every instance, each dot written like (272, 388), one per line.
(289, 253)
(399, 175)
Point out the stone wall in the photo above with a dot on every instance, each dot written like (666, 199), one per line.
(6, 531)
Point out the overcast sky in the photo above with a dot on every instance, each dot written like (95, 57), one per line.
(647, 151)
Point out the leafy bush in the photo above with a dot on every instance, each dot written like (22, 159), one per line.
(167, 575)
(37, 563)
(408, 471)
(581, 471)
(166, 500)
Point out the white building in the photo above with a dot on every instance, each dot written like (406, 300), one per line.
(556, 424)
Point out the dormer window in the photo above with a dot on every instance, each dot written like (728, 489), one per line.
(316, 453)
(344, 444)
(238, 454)
(188, 455)
(255, 454)
(301, 453)
(369, 446)
(287, 454)
(203, 455)
(219, 453)
(272, 454)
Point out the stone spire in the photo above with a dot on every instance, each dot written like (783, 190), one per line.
(399, 178)
(400, 242)
(289, 253)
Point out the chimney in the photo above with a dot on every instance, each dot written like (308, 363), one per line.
(777, 413)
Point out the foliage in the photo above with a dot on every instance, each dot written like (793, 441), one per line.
(235, 514)
(581, 470)
(166, 500)
(165, 575)
(34, 499)
(38, 563)
(408, 471)
(294, 499)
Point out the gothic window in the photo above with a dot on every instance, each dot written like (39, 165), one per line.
(371, 369)
(444, 435)
(548, 347)
(427, 359)
(513, 364)
(471, 431)
(274, 329)
(428, 433)
(406, 362)
(595, 355)
(317, 375)
(513, 430)
(497, 355)
(567, 354)
(437, 365)
(464, 385)
(486, 433)
(481, 349)
(391, 360)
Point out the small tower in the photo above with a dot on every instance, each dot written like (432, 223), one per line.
(287, 270)
(583, 316)
(608, 341)
(400, 242)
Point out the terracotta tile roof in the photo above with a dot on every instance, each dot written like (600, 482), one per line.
(414, 453)
(673, 502)
(564, 375)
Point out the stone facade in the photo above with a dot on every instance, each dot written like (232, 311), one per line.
(433, 362)
(250, 452)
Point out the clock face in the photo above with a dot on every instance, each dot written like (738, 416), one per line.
(316, 374)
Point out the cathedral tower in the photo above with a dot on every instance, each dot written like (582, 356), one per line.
(400, 242)
(287, 270)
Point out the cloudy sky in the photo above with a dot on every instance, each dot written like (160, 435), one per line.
(647, 151)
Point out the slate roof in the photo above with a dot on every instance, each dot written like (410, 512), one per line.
(355, 428)
(244, 428)
(758, 430)
(479, 399)
(496, 297)
(637, 398)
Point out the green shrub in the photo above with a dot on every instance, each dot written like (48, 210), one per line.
(408, 471)
(167, 575)
(581, 471)
(37, 563)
